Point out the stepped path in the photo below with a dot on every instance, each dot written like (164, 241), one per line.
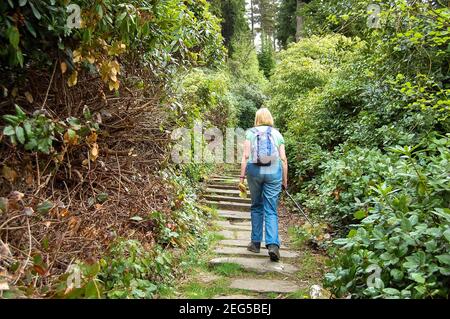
(259, 277)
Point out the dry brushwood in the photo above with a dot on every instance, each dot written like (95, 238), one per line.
(131, 148)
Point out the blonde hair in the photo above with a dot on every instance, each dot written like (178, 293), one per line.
(263, 117)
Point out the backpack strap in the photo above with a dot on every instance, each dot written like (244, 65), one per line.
(269, 144)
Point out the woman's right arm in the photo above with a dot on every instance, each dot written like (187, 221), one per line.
(245, 156)
(284, 164)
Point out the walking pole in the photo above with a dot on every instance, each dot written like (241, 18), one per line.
(298, 206)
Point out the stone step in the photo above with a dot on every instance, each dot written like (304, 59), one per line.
(264, 285)
(226, 181)
(241, 207)
(223, 186)
(234, 297)
(225, 192)
(243, 243)
(224, 250)
(259, 265)
(215, 198)
(224, 177)
(235, 234)
(233, 215)
(228, 225)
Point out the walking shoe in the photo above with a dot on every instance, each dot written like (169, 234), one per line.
(254, 247)
(274, 252)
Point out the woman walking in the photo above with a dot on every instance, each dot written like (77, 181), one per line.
(264, 163)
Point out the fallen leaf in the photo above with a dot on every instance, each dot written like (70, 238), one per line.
(29, 179)
(40, 270)
(64, 212)
(47, 224)
(92, 138)
(77, 56)
(9, 173)
(71, 137)
(73, 79)
(90, 59)
(94, 152)
(63, 66)
(14, 92)
(29, 97)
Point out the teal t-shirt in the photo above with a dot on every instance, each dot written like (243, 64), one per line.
(251, 136)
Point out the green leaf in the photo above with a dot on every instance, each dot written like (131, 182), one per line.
(20, 134)
(44, 207)
(28, 129)
(36, 12)
(22, 2)
(87, 113)
(442, 212)
(445, 259)
(74, 123)
(20, 113)
(417, 277)
(102, 197)
(99, 10)
(447, 234)
(397, 274)
(121, 17)
(391, 291)
(13, 36)
(9, 130)
(340, 241)
(91, 290)
(11, 119)
(360, 214)
(352, 233)
(19, 57)
(31, 144)
(30, 28)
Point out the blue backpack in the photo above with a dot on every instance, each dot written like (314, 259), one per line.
(264, 150)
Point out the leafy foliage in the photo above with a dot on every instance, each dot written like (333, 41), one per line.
(164, 34)
(405, 229)
(365, 116)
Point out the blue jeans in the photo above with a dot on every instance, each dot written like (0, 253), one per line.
(265, 188)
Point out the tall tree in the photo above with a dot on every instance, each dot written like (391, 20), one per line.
(286, 22)
(290, 22)
(299, 21)
(266, 16)
(232, 13)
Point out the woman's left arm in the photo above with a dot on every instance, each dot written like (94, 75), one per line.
(284, 164)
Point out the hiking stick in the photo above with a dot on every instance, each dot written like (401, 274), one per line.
(298, 206)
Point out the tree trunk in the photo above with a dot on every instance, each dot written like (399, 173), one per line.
(299, 31)
(252, 18)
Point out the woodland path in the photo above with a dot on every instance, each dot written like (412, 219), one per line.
(260, 277)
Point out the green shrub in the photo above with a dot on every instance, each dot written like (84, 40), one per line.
(131, 271)
(404, 230)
